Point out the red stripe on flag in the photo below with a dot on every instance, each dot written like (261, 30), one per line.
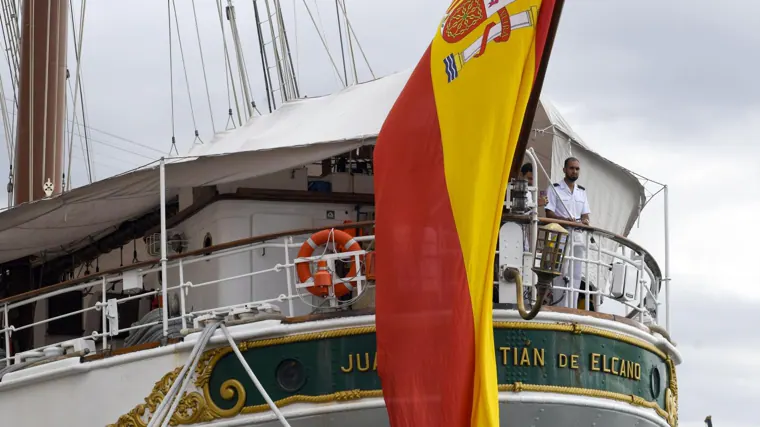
(425, 327)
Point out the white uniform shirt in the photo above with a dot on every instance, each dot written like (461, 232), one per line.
(576, 201)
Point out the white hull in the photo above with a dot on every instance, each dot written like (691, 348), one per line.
(97, 393)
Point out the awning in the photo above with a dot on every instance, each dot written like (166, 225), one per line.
(298, 133)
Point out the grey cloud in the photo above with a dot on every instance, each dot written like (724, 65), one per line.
(674, 64)
(723, 326)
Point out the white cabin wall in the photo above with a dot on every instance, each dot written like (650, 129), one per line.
(207, 221)
(239, 219)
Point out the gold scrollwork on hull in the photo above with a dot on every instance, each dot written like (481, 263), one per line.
(191, 409)
(195, 407)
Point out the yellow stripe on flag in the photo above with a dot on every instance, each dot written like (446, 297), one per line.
(481, 92)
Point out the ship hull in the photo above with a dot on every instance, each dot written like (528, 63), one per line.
(560, 381)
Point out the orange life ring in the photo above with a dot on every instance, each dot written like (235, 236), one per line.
(343, 242)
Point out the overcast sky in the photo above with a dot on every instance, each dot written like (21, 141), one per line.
(667, 89)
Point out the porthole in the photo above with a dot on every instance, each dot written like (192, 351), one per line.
(290, 375)
(656, 382)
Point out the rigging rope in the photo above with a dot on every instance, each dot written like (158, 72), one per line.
(90, 162)
(289, 70)
(264, 60)
(184, 69)
(277, 61)
(10, 44)
(228, 64)
(75, 124)
(77, 83)
(203, 66)
(68, 122)
(227, 74)
(351, 29)
(297, 71)
(242, 68)
(171, 76)
(324, 43)
(340, 37)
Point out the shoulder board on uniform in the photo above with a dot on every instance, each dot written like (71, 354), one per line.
(582, 187)
(556, 184)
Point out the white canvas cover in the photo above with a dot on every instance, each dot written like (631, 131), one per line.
(298, 133)
(616, 196)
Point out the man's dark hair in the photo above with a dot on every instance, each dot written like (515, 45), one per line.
(528, 167)
(571, 159)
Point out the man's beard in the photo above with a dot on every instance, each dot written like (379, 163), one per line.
(572, 178)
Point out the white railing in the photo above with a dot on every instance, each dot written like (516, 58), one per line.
(595, 252)
(182, 281)
(183, 287)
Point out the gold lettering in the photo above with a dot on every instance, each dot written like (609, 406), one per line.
(525, 359)
(359, 362)
(350, 365)
(595, 362)
(574, 361)
(614, 371)
(562, 360)
(374, 365)
(637, 371)
(604, 364)
(504, 351)
(538, 357)
(623, 370)
(629, 367)
(515, 354)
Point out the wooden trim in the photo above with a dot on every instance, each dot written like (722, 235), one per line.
(126, 350)
(267, 195)
(302, 196)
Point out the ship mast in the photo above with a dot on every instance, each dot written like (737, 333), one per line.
(41, 110)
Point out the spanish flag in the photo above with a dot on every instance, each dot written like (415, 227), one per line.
(442, 162)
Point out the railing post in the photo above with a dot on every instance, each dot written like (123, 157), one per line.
(642, 308)
(103, 313)
(588, 277)
(599, 266)
(182, 288)
(570, 287)
(288, 240)
(667, 264)
(6, 327)
(164, 278)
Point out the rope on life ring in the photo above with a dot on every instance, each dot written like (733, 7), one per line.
(322, 279)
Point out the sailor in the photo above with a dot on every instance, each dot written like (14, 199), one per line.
(568, 201)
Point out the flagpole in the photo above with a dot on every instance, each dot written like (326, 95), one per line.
(535, 95)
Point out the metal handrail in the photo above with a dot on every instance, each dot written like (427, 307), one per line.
(622, 240)
(250, 244)
(155, 261)
(650, 261)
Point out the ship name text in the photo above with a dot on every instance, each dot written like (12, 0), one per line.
(523, 356)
